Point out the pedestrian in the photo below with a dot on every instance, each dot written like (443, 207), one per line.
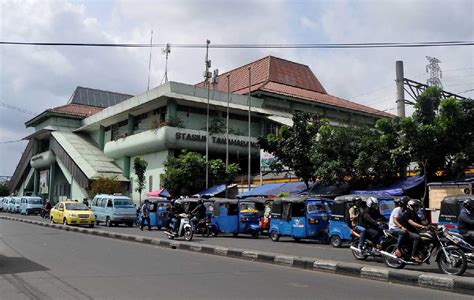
(145, 215)
(86, 202)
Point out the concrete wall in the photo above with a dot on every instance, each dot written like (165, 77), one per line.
(77, 192)
(58, 121)
(155, 169)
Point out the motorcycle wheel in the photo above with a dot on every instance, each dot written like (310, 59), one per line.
(204, 231)
(458, 263)
(358, 255)
(390, 262)
(188, 234)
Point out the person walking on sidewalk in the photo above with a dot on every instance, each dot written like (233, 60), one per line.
(146, 215)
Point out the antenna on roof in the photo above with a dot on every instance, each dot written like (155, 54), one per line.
(149, 61)
(166, 52)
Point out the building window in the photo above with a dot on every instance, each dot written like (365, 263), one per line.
(150, 183)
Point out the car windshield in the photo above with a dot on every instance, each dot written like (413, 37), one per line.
(123, 203)
(386, 205)
(76, 206)
(247, 206)
(316, 207)
(35, 201)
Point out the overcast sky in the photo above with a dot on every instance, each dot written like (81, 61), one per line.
(36, 78)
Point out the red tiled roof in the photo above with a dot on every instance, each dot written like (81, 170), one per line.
(76, 110)
(283, 77)
(295, 92)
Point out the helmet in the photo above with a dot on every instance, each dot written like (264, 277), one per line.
(402, 201)
(469, 203)
(414, 204)
(358, 201)
(372, 201)
(200, 201)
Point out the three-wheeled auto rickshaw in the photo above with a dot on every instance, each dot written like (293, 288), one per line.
(237, 216)
(158, 212)
(449, 211)
(339, 225)
(300, 218)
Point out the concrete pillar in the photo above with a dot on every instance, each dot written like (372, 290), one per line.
(51, 181)
(400, 89)
(171, 109)
(101, 138)
(34, 151)
(130, 125)
(126, 166)
(35, 182)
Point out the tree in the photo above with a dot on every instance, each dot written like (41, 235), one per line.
(222, 174)
(291, 147)
(4, 191)
(184, 174)
(105, 185)
(140, 166)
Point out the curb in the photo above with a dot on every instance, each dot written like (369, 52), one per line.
(461, 285)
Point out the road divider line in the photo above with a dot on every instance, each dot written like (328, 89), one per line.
(426, 280)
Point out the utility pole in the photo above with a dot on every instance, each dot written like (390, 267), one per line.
(400, 89)
(149, 61)
(207, 77)
(249, 157)
(227, 133)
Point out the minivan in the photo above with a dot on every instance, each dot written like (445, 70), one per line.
(31, 205)
(113, 210)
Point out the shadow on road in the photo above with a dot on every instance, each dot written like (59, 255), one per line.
(13, 265)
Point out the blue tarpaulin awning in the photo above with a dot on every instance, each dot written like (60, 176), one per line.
(214, 190)
(396, 189)
(273, 189)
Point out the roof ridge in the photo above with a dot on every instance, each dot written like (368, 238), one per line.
(99, 90)
(243, 66)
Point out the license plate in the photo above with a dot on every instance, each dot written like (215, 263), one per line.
(84, 221)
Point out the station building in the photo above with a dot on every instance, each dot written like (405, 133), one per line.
(99, 133)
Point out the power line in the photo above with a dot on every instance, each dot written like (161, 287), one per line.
(9, 142)
(18, 109)
(254, 46)
(466, 91)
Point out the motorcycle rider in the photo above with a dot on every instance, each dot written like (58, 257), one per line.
(198, 213)
(176, 209)
(394, 226)
(371, 220)
(354, 214)
(412, 223)
(466, 220)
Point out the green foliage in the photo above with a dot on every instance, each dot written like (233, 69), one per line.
(105, 185)
(291, 147)
(217, 125)
(4, 191)
(140, 166)
(221, 174)
(185, 174)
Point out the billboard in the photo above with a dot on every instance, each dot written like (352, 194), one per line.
(43, 188)
(265, 160)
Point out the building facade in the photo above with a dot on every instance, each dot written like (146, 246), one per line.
(99, 133)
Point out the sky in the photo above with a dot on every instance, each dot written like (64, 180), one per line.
(37, 78)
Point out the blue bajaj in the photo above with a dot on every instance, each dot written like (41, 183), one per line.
(449, 211)
(300, 218)
(159, 208)
(339, 229)
(236, 217)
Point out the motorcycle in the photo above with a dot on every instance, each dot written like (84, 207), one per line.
(450, 258)
(370, 248)
(45, 213)
(458, 240)
(203, 227)
(185, 230)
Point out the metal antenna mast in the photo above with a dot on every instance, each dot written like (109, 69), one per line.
(435, 72)
(166, 52)
(149, 61)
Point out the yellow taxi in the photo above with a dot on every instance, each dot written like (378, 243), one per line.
(72, 213)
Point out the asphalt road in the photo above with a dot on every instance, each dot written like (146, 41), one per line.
(44, 263)
(284, 246)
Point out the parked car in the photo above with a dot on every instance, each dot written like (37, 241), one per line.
(2, 203)
(10, 204)
(17, 204)
(31, 205)
(113, 210)
(72, 213)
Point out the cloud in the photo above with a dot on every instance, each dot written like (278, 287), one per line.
(37, 78)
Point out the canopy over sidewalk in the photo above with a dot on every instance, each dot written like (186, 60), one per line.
(273, 189)
(399, 188)
(159, 193)
(216, 190)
